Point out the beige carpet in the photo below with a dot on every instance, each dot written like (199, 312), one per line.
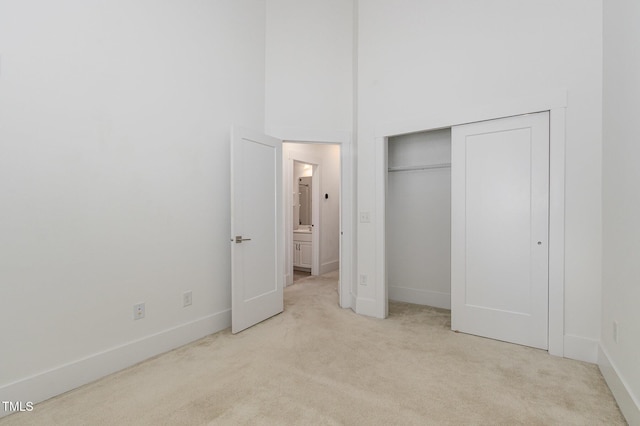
(319, 364)
(298, 275)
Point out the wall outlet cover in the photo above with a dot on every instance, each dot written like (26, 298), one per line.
(138, 311)
(187, 298)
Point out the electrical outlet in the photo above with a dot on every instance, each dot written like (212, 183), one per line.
(138, 311)
(365, 217)
(186, 298)
(615, 331)
(363, 279)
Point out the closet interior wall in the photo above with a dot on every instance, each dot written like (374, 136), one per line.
(419, 218)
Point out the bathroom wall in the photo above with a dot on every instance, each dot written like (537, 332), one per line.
(418, 237)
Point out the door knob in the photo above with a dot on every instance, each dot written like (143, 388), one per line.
(239, 239)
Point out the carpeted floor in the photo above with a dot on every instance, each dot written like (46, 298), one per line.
(298, 275)
(319, 364)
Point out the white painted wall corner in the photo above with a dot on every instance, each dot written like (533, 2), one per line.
(627, 402)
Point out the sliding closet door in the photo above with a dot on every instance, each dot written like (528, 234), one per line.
(499, 229)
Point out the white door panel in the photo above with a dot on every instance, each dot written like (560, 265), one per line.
(499, 262)
(256, 217)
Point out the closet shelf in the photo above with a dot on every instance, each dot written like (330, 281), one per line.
(420, 167)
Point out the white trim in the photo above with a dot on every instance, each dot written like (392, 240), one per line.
(297, 134)
(380, 219)
(628, 403)
(47, 384)
(553, 101)
(366, 306)
(421, 297)
(464, 114)
(581, 348)
(348, 226)
(329, 266)
(347, 195)
(556, 230)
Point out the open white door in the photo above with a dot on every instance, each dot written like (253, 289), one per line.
(257, 250)
(500, 229)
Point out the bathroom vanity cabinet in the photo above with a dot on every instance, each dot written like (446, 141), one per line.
(302, 249)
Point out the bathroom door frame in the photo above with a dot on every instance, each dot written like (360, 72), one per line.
(347, 294)
(316, 225)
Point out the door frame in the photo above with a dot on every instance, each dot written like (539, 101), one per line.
(556, 103)
(316, 229)
(347, 296)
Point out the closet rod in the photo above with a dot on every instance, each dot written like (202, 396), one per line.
(422, 167)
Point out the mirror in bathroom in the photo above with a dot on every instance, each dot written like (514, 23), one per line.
(304, 194)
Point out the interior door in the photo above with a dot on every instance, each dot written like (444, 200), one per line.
(500, 228)
(257, 250)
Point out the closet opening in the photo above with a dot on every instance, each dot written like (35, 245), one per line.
(468, 212)
(523, 122)
(418, 218)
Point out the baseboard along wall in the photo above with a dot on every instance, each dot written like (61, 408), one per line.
(420, 297)
(47, 384)
(581, 348)
(329, 266)
(629, 405)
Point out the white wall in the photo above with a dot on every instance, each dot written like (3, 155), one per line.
(621, 205)
(418, 222)
(309, 73)
(431, 59)
(327, 157)
(114, 165)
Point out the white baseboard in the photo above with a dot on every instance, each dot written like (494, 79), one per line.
(581, 348)
(288, 279)
(420, 297)
(329, 266)
(628, 403)
(366, 306)
(58, 380)
(354, 300)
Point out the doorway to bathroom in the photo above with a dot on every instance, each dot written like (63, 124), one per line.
(305, 198)
(311, 180)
